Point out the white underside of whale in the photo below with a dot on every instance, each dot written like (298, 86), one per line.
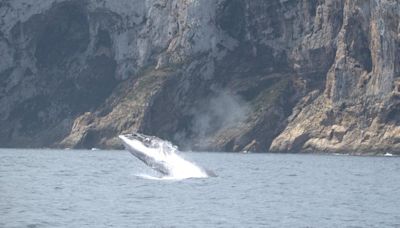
(164, 158)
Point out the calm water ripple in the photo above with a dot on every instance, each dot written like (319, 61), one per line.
(55, 188)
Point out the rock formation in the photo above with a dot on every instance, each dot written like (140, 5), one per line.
(358, 111)
(226, 75)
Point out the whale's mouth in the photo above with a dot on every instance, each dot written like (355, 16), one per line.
(162, 156)
(148, 141)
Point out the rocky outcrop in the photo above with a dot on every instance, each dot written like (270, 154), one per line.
(358, 111)
(226, 75)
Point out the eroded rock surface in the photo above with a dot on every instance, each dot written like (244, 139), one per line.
(226, 75)
(358, 111)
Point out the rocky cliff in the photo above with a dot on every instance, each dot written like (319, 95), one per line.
(226, 75)
(358, 109)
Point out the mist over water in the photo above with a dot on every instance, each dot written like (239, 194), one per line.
(221, 110)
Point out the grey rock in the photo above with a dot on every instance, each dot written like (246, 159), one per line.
(226, 75)
(357, 113)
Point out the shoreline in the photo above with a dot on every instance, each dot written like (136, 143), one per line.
(353, 154)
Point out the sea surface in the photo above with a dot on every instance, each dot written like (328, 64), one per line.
(71, 188)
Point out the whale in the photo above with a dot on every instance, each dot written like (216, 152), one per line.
(161, 156)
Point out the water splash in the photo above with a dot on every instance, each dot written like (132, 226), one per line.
(178, 167)
(163, 156)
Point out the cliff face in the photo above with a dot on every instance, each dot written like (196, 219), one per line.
(358, 111)
(225, 75)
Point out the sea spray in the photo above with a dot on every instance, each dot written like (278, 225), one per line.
(179, 167)
(162, 156)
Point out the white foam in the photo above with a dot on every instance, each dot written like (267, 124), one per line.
(179, 167)
(168, 154)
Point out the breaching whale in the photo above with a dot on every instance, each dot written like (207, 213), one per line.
(161, 156)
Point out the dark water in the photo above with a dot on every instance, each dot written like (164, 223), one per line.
(50, 188)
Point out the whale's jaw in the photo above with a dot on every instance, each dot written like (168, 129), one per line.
(162, 156)
(140, 146)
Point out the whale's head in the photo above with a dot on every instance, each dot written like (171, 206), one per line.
(162, 156)
(140, 142)
(147, 141)
(149, 149)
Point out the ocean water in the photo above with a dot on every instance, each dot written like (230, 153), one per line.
(68, 188)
